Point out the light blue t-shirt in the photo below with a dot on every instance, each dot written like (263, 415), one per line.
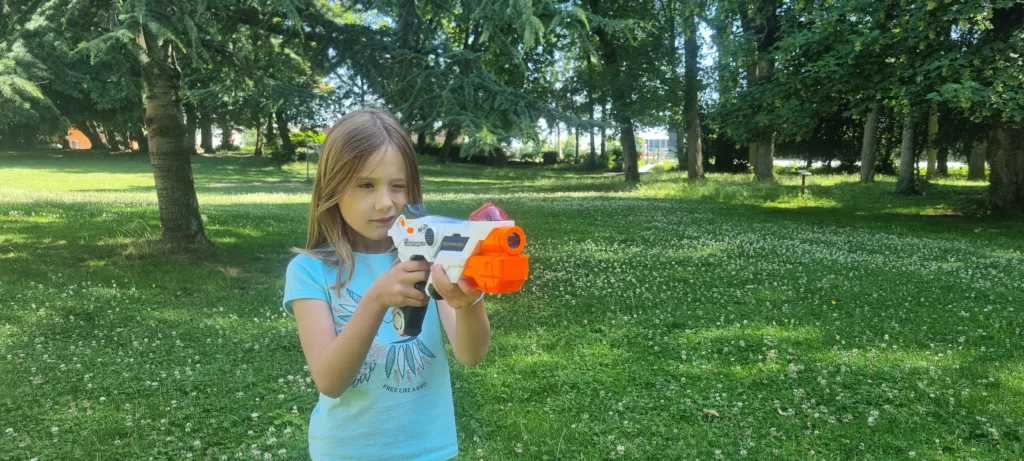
(399, 407)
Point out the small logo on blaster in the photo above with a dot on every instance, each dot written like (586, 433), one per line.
(454, 243)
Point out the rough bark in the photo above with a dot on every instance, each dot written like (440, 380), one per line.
(87, 128)
(226, 129)
(694, 157)
(191, 124)
(206, 134)
(576, 155)
(141, 138)
(282, 130)
(619, 96)
(629, 149)
(868, 154)
(768, 35)
(112, 140)
(172, 170)
(1006, 140)
(270, 129)
(258, 152)
(905, 184)
(932, 151)
(943, 160)
(976, 160)
(604, 147)
(450, 136)
(1006, 154)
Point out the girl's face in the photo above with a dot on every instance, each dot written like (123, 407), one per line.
(374, 200)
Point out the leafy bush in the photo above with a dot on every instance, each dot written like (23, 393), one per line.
(550, 157)
(306, 138)
(615, 158)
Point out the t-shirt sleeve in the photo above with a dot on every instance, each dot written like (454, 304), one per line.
(303, 279)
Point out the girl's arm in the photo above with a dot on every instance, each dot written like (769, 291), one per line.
(334, 359)
(464, 318)
(468, 330)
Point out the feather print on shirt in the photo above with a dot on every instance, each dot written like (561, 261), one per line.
(404, 360)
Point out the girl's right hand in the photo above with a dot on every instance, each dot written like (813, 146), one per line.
(397, 287)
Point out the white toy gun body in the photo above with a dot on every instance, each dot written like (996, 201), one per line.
(486, 253)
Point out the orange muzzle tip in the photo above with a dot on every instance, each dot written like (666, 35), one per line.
(500, 267)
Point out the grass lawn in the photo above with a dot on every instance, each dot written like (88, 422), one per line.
(717, 320)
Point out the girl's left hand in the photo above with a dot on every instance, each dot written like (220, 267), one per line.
(459, 296)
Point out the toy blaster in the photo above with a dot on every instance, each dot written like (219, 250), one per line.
(486, 250)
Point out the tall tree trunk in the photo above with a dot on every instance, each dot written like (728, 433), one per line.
(576, 156)
(694, 157)
(768, 29)
(747, 24)
(905, 184)
(764, 170)
(191, 123)
(141, 138)
(225, 134)
(89, 130)
(592, 159)
(976, 159)
(258, 152)
(604, 117)
(172, 168)
(629, 154)
(286, 141)
(620, 93)
(867, 149)
(206, 134)
(681, 151)
(933, 132)
(112, 141)
(1006, 142)
(270, 128)
(421, 142)
(943, 159)
(450, 136)
(558, 138)
(1006, 154)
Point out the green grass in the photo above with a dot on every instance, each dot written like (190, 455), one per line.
(847, 323)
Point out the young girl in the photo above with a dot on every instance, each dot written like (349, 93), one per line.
(382, 396)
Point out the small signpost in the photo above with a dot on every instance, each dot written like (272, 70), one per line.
(803, 181)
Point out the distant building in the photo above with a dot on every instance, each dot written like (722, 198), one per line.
(659, 146)
(78, 140)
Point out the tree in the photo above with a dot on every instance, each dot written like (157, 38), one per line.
(25, 110)
(158, 37)
(989, 90)
(906, 184)
(633, 55)
(694, 157)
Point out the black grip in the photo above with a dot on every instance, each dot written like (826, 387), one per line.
(408, 320)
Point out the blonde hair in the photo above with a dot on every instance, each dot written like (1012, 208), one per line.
(349, 144)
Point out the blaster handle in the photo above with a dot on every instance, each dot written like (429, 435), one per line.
(408, 320)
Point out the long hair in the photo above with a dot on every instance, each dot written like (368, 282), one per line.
(349, 144)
